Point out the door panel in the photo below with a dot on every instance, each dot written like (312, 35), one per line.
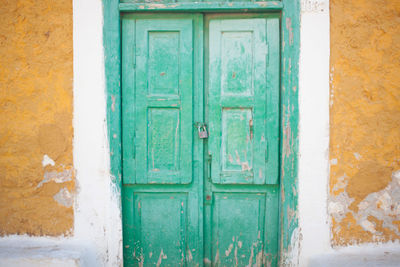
(150, 228)
(238, 228)
(163, 95)
(242, 199)
(164, 90)
(162, 176)
(237, 102)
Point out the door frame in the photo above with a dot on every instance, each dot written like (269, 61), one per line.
(289, 106)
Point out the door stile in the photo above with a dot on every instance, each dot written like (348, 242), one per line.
(199, 143)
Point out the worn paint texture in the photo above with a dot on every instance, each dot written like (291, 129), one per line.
(364, 189)
(36, 172)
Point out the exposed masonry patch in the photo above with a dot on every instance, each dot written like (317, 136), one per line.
(291, 255)
(357, 155)
(383, 205)
(339, 205)
(47, 161)
(313, 6)
(58, 177)
(64, 198)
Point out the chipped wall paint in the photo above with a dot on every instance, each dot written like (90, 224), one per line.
(365, 121)
(64, 198)
(36, 117)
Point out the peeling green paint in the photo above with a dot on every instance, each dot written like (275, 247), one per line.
(112, 52)
(290, 23)
(289, 133)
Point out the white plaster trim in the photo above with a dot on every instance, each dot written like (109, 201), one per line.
(313, 129)
(97, 209)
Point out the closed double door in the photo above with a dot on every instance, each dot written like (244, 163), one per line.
(200, 123)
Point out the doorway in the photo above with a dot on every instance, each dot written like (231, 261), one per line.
(200, 139)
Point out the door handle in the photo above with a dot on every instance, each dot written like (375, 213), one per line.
(209, 161)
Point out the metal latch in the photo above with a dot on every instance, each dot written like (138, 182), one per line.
(202, 130)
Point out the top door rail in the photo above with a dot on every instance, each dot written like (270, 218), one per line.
(203, 6)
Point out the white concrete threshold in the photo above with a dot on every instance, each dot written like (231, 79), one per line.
(371, 255)
(39, 252)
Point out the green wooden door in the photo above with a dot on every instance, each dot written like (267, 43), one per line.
(162, 159)
(242, 191)
(189, 201)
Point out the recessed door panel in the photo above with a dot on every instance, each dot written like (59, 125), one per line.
(163, 141)
(160, 241)
(237, 145)
(237, 50)
(163, 61)
(238, 229)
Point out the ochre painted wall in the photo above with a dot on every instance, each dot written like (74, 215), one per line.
(365, 121)
(36, 117)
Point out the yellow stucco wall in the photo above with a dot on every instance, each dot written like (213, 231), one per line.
(36, 117)
(365, 121)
